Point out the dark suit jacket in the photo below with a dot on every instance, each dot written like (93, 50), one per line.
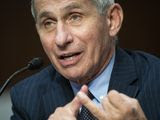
(135, 74)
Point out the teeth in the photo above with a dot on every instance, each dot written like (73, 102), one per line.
(69, 58)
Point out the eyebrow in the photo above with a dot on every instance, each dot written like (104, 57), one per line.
(44, 14)
(69, 7)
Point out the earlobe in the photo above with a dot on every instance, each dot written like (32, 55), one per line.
(114, 19)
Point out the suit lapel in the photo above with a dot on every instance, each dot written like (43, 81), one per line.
(124, 77)
(58, 93)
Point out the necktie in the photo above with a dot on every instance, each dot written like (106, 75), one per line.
(85, 114)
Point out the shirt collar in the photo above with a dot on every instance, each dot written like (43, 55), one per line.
(99, 86)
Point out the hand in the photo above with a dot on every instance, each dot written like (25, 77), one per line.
(69, 111)
(115, 106)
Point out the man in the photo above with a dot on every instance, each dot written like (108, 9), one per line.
(79, 37)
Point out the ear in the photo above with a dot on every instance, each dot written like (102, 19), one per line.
(114, 19)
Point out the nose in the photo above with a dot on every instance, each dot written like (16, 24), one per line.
(63, 36)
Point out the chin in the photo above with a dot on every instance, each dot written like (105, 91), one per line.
(73, 75)
(78, 78)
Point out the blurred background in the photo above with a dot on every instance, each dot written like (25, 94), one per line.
(19, 42)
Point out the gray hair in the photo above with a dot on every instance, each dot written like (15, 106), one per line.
(101, 5)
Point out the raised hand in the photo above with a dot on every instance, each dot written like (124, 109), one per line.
(69, 111)
(115, 106)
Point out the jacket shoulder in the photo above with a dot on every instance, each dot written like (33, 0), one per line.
(41, 78)
(26, 96)
(144, 61)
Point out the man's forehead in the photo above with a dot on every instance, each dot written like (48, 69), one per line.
(63, 3)
(60, 5)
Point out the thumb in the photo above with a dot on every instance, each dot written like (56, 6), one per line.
(75, 104)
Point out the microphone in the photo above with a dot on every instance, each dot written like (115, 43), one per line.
(35, 63)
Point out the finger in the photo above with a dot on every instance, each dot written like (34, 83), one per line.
(123, 102)
(75, 104)
(116, 99)
(84, 89)
(133, 104)
(128, 106)
(85, 100)
(108, 107)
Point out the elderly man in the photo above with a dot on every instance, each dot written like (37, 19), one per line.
(91, 78)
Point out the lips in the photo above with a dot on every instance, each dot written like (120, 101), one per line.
(69, 55)
(69, 59)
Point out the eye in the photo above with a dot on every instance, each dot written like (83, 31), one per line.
(75, 18)
(49, 24)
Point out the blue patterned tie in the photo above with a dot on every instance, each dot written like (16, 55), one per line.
(85, 114)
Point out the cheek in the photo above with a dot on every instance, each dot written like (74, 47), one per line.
(92, 54)
(87, 36)
(47, 43)
(93, 40)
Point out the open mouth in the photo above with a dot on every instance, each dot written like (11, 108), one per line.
(69, 56)
(70, 59)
